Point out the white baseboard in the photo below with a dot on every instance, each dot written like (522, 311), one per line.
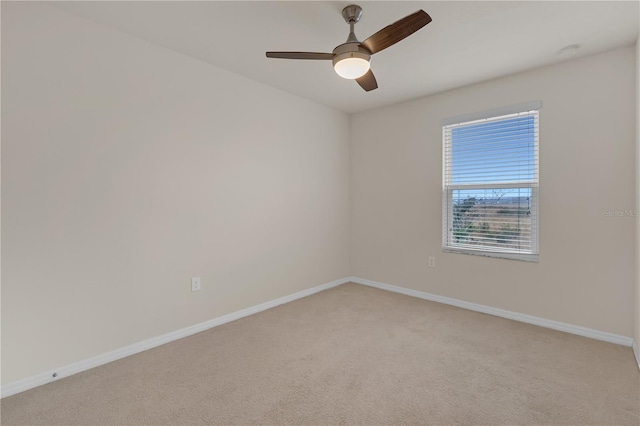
(529, 319)
(636, 352)
(77, 367)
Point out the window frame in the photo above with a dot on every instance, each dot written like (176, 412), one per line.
(447, 190)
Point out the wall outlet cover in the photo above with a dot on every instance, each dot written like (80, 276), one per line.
(195, 283)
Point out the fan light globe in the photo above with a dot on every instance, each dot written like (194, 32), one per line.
(352, 68)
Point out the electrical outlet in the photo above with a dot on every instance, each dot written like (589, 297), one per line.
(432, 262)
(195, 283)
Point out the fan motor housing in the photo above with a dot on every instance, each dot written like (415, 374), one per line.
(350, 50)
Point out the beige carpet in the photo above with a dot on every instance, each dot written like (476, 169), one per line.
(352, 355)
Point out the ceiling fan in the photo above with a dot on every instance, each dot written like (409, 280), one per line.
(351, 59)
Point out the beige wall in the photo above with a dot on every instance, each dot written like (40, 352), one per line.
(585, 275)
(128, 168)
(637, 298)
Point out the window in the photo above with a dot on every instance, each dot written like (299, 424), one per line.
(490, 183)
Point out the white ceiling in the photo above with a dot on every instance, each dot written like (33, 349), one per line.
(467, 42)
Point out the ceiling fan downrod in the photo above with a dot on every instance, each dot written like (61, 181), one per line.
(352, 15)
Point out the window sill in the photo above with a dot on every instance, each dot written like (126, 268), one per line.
(512, 256)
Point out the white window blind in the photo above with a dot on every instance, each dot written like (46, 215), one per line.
(490, 186)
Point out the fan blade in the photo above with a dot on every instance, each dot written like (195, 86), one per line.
(368, 81)
(391, 34)
(300, 55)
